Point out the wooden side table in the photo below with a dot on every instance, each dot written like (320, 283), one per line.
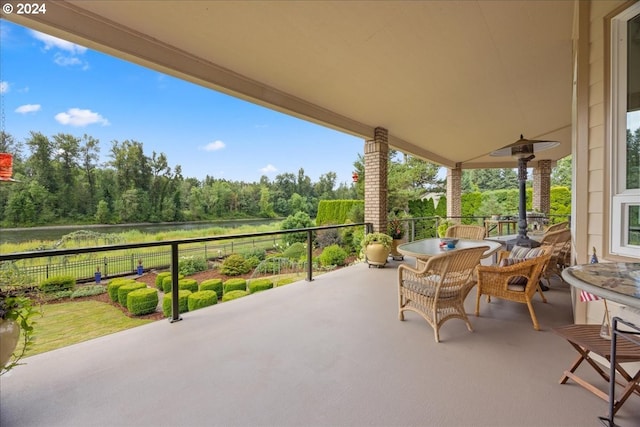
(586, 339)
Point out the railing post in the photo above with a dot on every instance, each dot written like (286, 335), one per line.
(309, 255)
(175, 303)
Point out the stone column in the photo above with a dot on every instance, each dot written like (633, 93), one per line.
(376, 157)
(542, 187)
(454, 192)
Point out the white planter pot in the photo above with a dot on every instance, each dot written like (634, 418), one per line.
(9, 336)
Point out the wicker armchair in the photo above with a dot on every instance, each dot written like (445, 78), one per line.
(438, 289)
(559, 226)
(504, 283)
(473, 232)
(560, 240)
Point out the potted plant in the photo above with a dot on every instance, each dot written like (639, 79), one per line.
(395, 229)
(376, 248)
(16, 313)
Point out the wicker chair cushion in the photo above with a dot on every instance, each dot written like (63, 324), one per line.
(420, 288)
(521, 252)
(517, 283)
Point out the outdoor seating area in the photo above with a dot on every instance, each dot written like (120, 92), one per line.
(325, 353)
(516, 282)
(438, 289)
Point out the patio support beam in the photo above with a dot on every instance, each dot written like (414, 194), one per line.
(454, 192)
(376, 158)
(542, 187)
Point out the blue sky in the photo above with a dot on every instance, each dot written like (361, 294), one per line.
(53, 86)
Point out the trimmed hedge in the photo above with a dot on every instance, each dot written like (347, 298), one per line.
(231, 295)
(142, 301)
(166, 283)
(235, 285)
(285, 281)
(58, 283)
(114, 285)
(125, 289)
(201, 299)
(335, 211)
(212, 285)
(160, 277)
(183, 304)
(260, 285)
(188, 284)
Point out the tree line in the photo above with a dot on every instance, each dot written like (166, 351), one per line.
(60, 180)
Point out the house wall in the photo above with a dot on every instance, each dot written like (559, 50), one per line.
(591, 167)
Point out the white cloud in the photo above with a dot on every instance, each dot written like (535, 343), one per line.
(28, 108)
(77, 117)
(4, 87)
(67, 54)
(214, 146)
(51, 42)
(66, 61)
(268, 169)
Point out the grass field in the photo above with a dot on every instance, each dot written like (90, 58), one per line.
(73, 322)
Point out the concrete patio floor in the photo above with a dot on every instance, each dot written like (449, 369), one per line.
(331, 352)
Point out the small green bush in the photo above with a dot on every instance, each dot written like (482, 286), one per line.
(142, 301)
(235, 285)
(191, 265)
(124, 290)
(114, 285)
(252, 262)
(234, 295)
(188, 284)
(258, 285)
(333, 255)
(261, 254)
(212, 285)
(201, 299)
(160, 277)
(167, 281)
(89, 290)
(234, 265)
(183, 304)
(58, 283)
(295, 252)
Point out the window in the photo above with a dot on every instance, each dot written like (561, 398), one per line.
(625, 132)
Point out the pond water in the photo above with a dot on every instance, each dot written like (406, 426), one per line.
(18, 235)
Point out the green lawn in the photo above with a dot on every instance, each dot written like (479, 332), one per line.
(73, 322)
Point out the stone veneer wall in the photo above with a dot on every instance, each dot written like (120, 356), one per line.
(542, 187)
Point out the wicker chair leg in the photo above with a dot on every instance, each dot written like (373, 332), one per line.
(536, 326)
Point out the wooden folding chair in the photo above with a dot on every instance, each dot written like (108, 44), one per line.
(586, 340)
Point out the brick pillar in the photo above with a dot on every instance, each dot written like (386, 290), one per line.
(542, 187)
(376, 157)
(454, 192)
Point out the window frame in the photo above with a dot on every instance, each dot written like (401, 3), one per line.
(621, 197)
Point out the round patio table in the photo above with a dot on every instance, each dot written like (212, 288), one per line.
(426, 248)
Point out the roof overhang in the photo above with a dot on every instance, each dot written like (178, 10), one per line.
(450, 80)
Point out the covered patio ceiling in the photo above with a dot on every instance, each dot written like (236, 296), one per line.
(450, 80)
